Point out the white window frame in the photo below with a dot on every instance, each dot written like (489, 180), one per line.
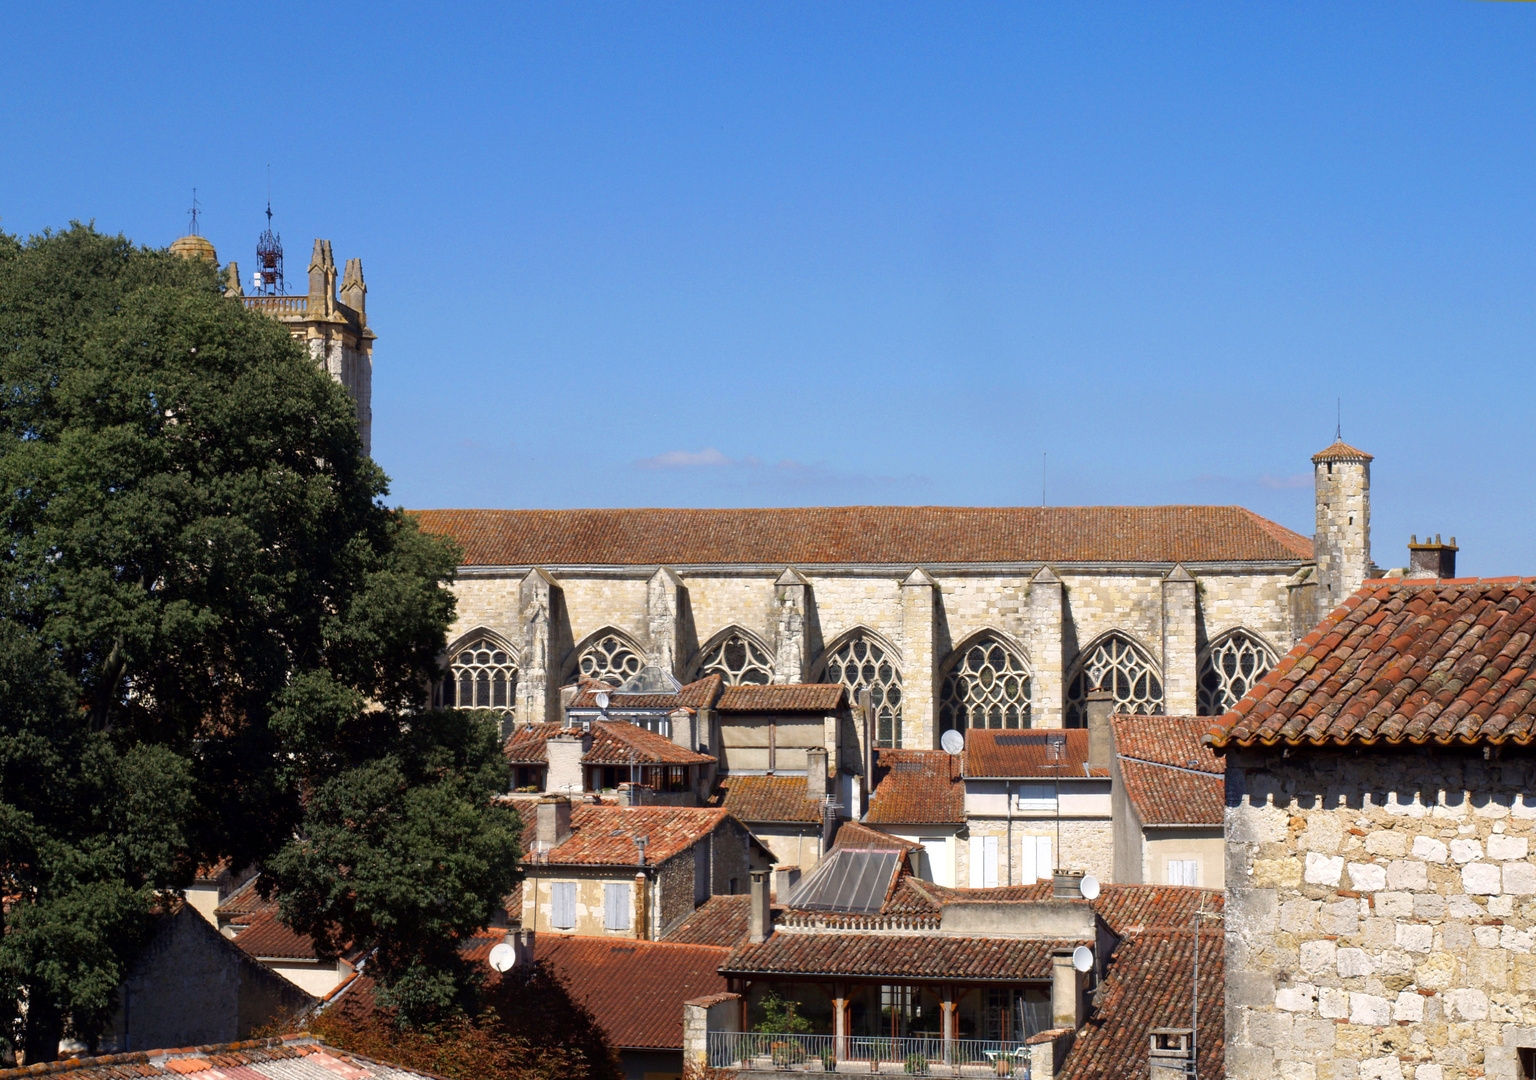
(618, 903)
(1035, 859)
(562, 905)
(1186, 870)
(1036, 796)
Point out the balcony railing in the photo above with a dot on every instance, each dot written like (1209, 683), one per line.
(278, 305)
(760, 1052)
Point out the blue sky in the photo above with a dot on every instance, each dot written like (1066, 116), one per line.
(778, 254)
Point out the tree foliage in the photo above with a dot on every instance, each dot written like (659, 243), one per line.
(214, 640)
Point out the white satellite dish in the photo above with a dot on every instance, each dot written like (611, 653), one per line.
(1090, 887)
(952, 741)
(1082, 958)
(602, 699)
(503, 956)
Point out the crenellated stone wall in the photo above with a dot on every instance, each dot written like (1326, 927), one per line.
(1381, 914)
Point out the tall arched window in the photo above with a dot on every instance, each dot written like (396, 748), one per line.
(1122, 669)
(481, 675)
(1231, 666)
(738, 660)
(860, 663)
(987, 687)
(609, 658)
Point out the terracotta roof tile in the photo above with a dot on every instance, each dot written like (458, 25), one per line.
(1040, 752)
(612, 742)
(767, 798)
(634, 989)
(720, 921)
(1171, 777)
(899, 535)
(784, 698)
(605, 835)
(856, 834)
(1341, 451)
(910, 956)
(290, 1056)
(698, 694)
(917, 787)
(1403, 661)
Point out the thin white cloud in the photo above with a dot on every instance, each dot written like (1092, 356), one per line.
(1285, 483)
(685, 459)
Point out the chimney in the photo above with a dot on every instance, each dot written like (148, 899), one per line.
(1067, 983)
(552, 822)
(1101, 733)
(785, 878)
(816, 773)
(1067, 884)
(760, 915)
(1431, 560)
(641, 920)
(564, 750)
(1172, 1053)
(522, 949)
(682, 723)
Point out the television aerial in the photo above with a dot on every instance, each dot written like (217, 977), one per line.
(1082, 958)
(952, 742)
(502, 957)
(1090, 887)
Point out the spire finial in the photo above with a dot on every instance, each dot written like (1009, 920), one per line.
(192, 229)
(1338, 422)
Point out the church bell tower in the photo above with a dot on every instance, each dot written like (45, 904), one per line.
(1342, 543)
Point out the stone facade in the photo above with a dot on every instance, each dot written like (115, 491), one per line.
(1342, 543)
(1381, 914)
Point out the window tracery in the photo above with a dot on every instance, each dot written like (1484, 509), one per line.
(859, 664)
(738, 660)
(481, 675)
(987, 687)
(1231, 666)
(609, 658)
(1122, 669)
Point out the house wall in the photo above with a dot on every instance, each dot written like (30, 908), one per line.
(538, 899)
(1130, 859)
(312, 976)
(652, 1064)
(1205, 846)
(1381, 913)
(730, 856)
(792, 845)
(675, 880)
(940, 850)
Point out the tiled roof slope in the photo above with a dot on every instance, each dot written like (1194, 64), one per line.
(783, 698)
(612, 743)
(1133, 909)
(919, 787)
(695, 695)
(767, 798)
(720, 921)
(605, 835)
(1403, 661)
(292, 1057)
(858, 835)
(1171, 777)
(903, 535)
(910, 956)
(1028, 753)
(1341, 451)
(634, 989)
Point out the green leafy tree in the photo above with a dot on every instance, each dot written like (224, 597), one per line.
(216, 641)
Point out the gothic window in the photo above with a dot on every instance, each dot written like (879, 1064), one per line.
(481, 675)
(859, 664)
(610, 659)
(1231, 666)
(738, 660)
(987, 687)
(1123, 670)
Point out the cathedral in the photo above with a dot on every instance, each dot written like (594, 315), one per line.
(949, 617)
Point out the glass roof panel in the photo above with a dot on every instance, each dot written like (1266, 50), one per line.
(848, 879)
(649, 680)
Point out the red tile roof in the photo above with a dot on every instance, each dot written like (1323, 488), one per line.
(1403, 661)
(784, 698)
(907, 956)
(999, 754)
(695, 695)
(612, 742)
(1171, 777)
(1133, 909)
(720, 921)
(767, 798)
(254, 1059)
(900, 535)
(919, 787)
(1341, 451)
(634, 989)
(858, 835)
(605, 835)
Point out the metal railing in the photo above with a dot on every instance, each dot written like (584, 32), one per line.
(762, 1052)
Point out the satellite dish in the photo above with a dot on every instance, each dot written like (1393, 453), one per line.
(1082, 957)
(952, 741)
(602, 699)
(1090, 887)
(503, 957)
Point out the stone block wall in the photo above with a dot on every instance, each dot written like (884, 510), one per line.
(1381, 914)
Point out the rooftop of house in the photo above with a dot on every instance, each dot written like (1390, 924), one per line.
(887, 535)
(260, 932)
(699, 694)
(767, 798)
(1059, 754)
(605, 835)
(783, 698)
(1402, 661)
(614, 742)
(288, 1057)
(1171, 777)
(917, 787)
(859, 835)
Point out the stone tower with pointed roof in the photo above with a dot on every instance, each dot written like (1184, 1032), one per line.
(1342, 542)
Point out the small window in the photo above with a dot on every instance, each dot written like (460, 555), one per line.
(1183, 872)
(733, 887)
(1527, 1058)
(616, 906)
(1033, 796)
(562, 913)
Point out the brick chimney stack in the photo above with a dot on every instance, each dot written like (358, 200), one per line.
(1431, 559)
(552, 822)
(760, 915)
(1101, 733)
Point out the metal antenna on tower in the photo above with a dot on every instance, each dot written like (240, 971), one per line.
(269, 253)
(1338, 419)
(192, 229)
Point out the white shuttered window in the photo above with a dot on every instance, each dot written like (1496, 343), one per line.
(1183, 872)
(562, 913)
(616, 906)
(1035, 859)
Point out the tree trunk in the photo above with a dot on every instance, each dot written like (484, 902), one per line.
(45, 1027)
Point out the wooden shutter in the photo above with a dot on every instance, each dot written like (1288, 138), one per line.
(562, 914)
(1043, 865)
(616, 904)
(989, 862)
